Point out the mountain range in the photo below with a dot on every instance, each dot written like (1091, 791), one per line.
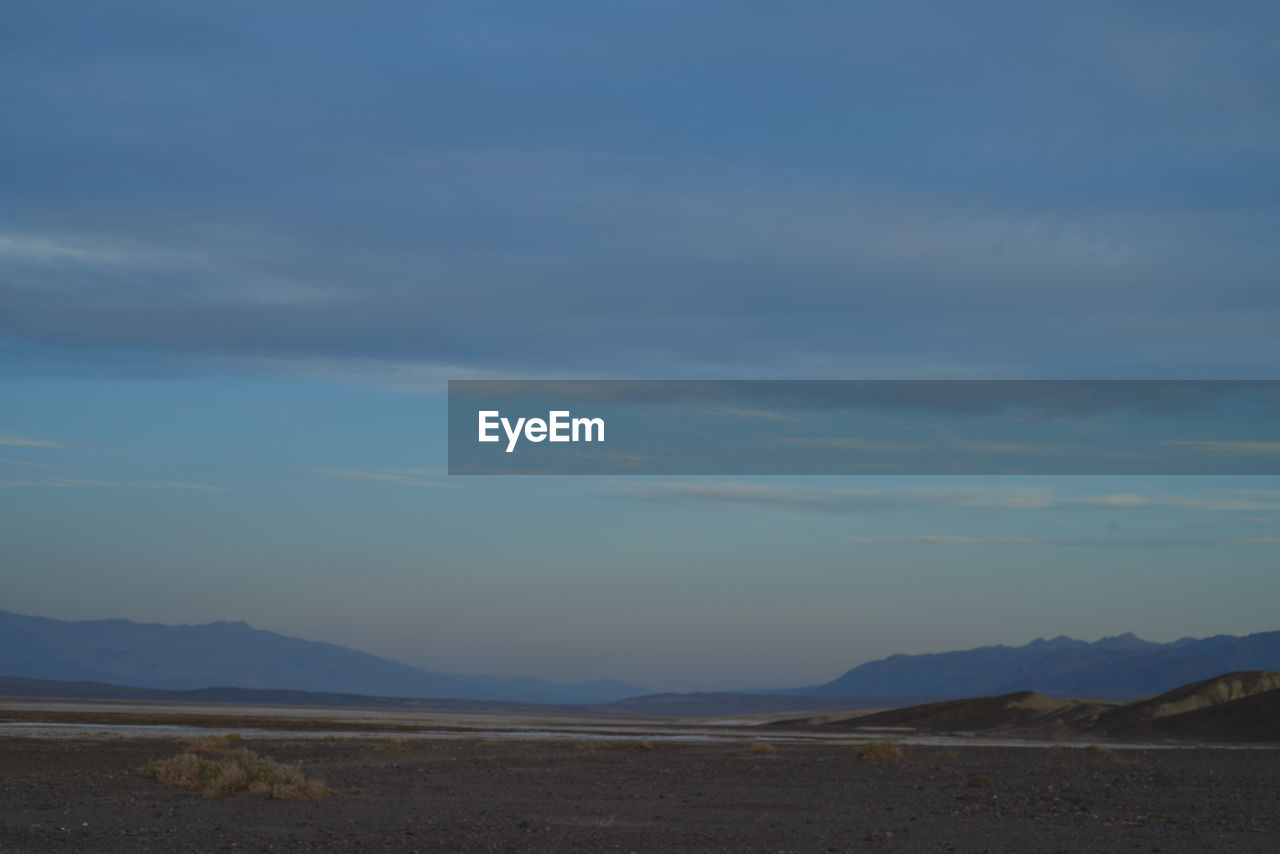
(1116, 668)
(235, 655)
(223, 654)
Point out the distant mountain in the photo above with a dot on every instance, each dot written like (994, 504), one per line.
(1116, 668)
(650, 706)
(698, 705)
(33, 689)
(183, 658)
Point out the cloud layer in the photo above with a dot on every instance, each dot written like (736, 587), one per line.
(838, 191)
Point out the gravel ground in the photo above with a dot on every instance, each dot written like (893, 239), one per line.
(444, 796)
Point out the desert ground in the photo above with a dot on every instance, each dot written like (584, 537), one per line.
(70, 781)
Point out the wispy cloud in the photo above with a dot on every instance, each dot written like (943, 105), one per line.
(1097, 542)
(13, 441)
(78, 483)
(175, 484)
(829, 500)
(762, 414)
(1004, 447)
(1227, 447)
(51, 249)
(1228, 501)
(398, 476)
(1014, 498)
(13, 462)
(993, 497)
(1117, 499)
(848, 443)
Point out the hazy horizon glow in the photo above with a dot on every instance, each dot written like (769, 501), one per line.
(243, 246)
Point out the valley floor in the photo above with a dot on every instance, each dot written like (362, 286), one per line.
(475, 794)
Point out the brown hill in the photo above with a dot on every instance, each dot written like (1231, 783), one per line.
(1021, 709)
(1242, 706)
(1234, 707)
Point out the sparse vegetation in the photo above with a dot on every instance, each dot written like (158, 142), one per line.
(236, 771)
(979, 782)
(879, 751)
(762, 748)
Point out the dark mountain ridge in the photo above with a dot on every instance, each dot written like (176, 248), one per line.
(236, 655)
(1116, 668)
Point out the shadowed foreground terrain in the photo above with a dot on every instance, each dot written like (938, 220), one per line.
(556, 796)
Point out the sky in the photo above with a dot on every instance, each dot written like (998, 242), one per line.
(244, 246)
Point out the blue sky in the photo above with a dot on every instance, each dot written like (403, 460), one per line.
(244, 245)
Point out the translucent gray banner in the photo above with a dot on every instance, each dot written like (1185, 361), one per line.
(873, 427)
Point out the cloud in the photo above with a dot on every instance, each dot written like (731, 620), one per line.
(13, 462)
(838, 500)
(763, 414)
(77, 483)
(24, 442)
(1119, 499)
(85, 250)
(848, 443)
(525, 218)
(826, 500)
(1103, 542)
(397, 476)
(996, 497)
(1225, 501)
(1012, 498)
(1227, 447)
(172, 484)
(1005, 447)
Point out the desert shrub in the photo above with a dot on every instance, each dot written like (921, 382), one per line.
(879, 751)
(980, 783)
(763, 748)
(232, 778)
(644, 745)
(236, 771)
(185, 771)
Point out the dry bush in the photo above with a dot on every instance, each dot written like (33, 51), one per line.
(236, 771)
(232, 778)
(879, 751)
(644, 745)
(763, 748)
(980, 783)
(184, 771)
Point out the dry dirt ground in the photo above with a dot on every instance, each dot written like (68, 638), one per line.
(562, 796)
